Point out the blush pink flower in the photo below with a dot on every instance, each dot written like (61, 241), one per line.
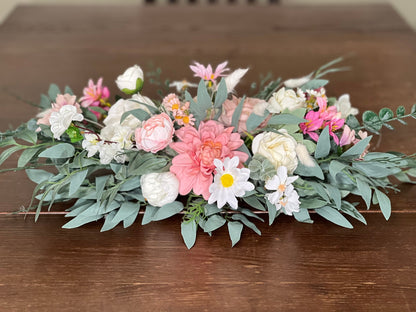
(314, 122)
(334, 125)
(362, 135)
(206, 73)
(347, 137)
(194, 166)
(229, 106)
(95, 95)
(325, 112)
(155, 134)
(60, 101)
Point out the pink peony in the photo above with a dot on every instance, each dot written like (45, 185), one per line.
(194, 166)
(229, 107)
(155, 134)
(61, 100)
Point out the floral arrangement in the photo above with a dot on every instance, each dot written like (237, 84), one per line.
(213, 157)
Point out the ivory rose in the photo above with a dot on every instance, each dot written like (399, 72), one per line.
(250, 106)
(159, 188)
(278, 148)
(285, 99)
(155, 134)
(131, 81)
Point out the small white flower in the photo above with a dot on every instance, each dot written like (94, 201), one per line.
(90, 143)
(343, 106)
(159, 188)
(285, 99)
(285, 197)
(108, 152)
(182, 85)
(316, 93)
(234, 78)
(297, 82)
(118, 134)
(60, 121)
(229, 182)
(131, 81)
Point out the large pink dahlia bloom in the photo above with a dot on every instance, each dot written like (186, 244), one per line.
(197, 150)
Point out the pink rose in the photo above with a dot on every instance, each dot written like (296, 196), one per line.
(249, 105)
(155, 134)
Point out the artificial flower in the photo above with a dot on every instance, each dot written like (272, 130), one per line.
(229, 182)
(206, 73)
(159, 188)
(229, 106)
(197, 150)
(234, 78)
(155, 134)
(60, 121)
(278, 148)
(131, 81)
(182, 85)
(285, 99)
(60, 101)
(96, 95)
(313, 123)
(91, 143)
(343, 105)
(347, 137)
(119, 134)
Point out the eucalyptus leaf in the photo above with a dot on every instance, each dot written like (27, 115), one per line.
(221, 94)
(314, 84)
(214, 222)
(303, 216)
(237, 113)
(306, 171)
(272, 211)
(53, 92)
(188, 231)
(386, 114)
(148, 214)
(139, 113)
(358, 148)
(8, 152)
(285, 119)
(27, 156)
(61, 150)
(234, 230)
(334, 216)
(109, 222)
(167, 211)
(76, 181)
(246, 222)
(81, 220)
(384, 203)
(130, 219)
(324, 144)
(38, 175)
(254, 121)
(365, 191)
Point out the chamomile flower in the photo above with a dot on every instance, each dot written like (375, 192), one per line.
(229, 183)
(285, 197)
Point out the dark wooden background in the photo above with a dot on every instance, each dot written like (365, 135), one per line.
(292, 266)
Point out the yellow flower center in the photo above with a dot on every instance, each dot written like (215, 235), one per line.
(282, 188)
(185, 119)
(227, 180)
(175, 106)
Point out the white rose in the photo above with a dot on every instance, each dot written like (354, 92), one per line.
(131, 81)
(160, 188)
(283, 99)
(343, 106)
(60, 121)
(121, 106)
(278, 148)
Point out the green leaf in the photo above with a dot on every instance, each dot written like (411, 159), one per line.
(8, 152)
(167, 211)
(130, 184)
(203, 99)
(100, 183)
(314, 84)
(130, 219)
(312, 203)
(198, 111)
(385, 114)
(254, 121)
(305, 171)
(53, 91)
(334, 216)
(137, 113)
(234, 230)
(68, 90)
(400, 111)
(254, 202)
(352, 122)
(28, 136)
(365, 191)
(350, 210)
(372, 120)
(384, 203)
(61, 150)
(335, 194)
(303, 216)
(320, 190)
(211, 209)
(221, 95)
(336, 167)
(214, 222)
(324, 145)
(109, 222)
(45, 102)
(76, 181)
(413, 110)
(26, 156)
(246, 222)
(285, 119)
(188, 231)
(38, 175)
(80, 220)
(148, 214)
(358, 148)
(237, 113)
(272, 211)
(375, 169)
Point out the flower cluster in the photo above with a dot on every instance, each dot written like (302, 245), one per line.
(216, 157)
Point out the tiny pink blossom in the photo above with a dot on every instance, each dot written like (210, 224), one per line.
(334, 124)
(206, 72)
(197, 149)
(347, 137)
(155, 134)
(314, 122)
(171, 102)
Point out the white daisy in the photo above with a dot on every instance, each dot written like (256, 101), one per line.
(285, 195)
(229, 182)
(60, 121)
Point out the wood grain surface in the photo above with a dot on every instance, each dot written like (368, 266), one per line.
(292, 266)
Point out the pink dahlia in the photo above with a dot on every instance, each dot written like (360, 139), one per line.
(95, 95)
(194, 166)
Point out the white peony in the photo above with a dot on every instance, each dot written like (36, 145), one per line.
(131, 81)
(121, 106)
(343, 105)
(60, 121)
(118, 134)
(108, 152)
(278, 148)
(159, 188)
(285, 99)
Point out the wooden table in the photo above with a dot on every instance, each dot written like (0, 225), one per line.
(292, 266)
